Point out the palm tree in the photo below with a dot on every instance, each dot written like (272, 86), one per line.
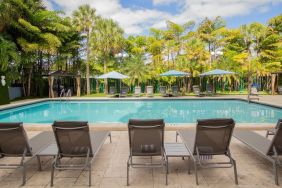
(209, 31)
(8, 53)
(84, 19)
(174, 38)
(136, 70)
(107, 40)
(194, 59)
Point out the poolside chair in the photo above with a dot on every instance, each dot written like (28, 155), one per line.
(253, 94)
(14, 143)
(197, 91)
(269, 149)
(212, 138)
(163, 91)
(254, 91)
(175, 91)
(113, 91)
(150, 91)
(74, 141)
(209, 90)
(137, 91)
(123, 91)
(272, 131)
(146, 139)
(279, 88)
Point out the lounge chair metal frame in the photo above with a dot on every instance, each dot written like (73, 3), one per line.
(123, 91)
(210, 90)
(147, 125)
(253, 92)
(89, 154)
(197, 91)
(175, 91)
(163, 91)
(149, 91)
(137, 94)
(267, 149)
(23, 160)
(272, 131)
(198, 156)
(27, 150)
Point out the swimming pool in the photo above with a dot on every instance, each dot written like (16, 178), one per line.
(119, 111)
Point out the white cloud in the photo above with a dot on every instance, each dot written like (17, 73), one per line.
(139, 19)
(133, 21)
(166, 2)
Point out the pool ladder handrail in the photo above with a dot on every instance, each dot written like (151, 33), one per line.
(62, 94)
(65, 94)
(68, 95)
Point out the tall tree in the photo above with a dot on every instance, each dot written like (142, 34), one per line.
(107, 40)
(84, 19)
(210, 32)
(194, 58)
(136, 70)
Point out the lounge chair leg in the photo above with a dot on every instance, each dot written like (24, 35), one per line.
(267, 132)
(196, 173)
(52, 174)
(90, 175)
(189, 165)
(235, 171)
(166, 178)
(39, 163)
(275, 173)
(24, 175)
(176, 137)
(127, 175)
(110, 135)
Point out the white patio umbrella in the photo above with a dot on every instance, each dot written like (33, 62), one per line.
(113, 75)
(216, 72)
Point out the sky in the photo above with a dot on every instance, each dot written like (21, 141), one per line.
(136, 17)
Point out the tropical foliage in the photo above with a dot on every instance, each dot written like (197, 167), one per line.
(35, 41)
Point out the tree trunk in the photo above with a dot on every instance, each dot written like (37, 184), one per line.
(87, 66)
(250, 81)
(273, 79)
(105, 80)
(189, 84)
(97, 86)
(29, 82)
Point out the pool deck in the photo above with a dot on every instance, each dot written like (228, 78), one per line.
(271, 100)
(109, 170)
(109, 167)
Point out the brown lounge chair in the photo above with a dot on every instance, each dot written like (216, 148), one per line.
(253, 95)
(137, 91)
(113, 92)
(74, 141)
(150, 91)
(175, 91)
(212, 137)
(272, 131)
(269, 149)
(197, 91)
(163, 91)
(146, 139)
(123, 92)
(14, 143)
(209, 90)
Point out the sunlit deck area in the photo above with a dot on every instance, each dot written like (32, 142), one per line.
(109, 170)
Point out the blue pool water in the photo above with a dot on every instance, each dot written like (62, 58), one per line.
(173, 111)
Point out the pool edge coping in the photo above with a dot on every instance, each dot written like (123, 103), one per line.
(33, 101)
(123, 126)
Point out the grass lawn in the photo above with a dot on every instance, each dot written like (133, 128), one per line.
(244, 92)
